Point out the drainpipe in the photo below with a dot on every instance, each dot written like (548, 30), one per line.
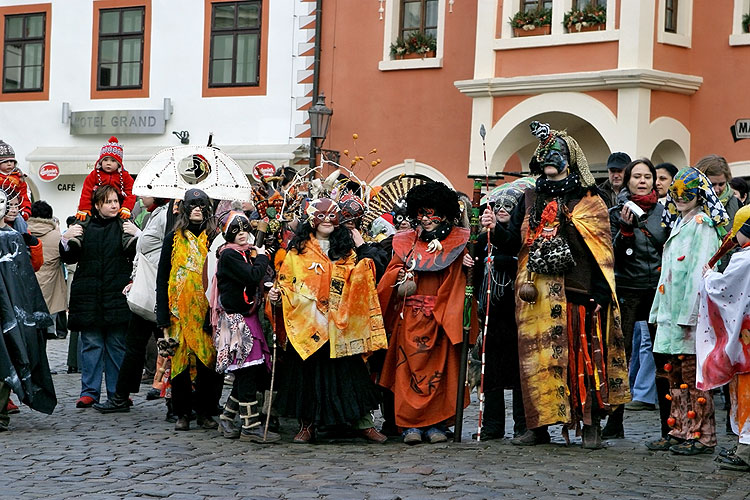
(316, 74)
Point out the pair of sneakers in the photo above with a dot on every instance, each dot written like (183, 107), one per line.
(432, 435)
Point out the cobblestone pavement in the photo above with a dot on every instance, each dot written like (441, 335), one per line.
(78, 452)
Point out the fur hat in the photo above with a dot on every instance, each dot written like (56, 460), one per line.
(6, 152)
(435, 195)
(113, 149)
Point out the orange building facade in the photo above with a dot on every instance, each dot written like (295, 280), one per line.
(662, 79)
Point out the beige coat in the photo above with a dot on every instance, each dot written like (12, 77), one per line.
(50, 277)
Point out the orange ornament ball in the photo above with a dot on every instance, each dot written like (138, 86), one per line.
(681, 357)
(671, 421)
(691, 414)
(667, 367)
(668, 397)
(683, 386)
(697, 435)
(702, 401)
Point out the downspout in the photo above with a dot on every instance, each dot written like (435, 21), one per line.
(316, 74)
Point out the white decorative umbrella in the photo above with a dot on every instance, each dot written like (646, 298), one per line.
(172, 171)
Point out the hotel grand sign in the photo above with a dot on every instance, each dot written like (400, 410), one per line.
(141, 121)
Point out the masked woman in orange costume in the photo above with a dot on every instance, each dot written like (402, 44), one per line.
(422, 296)
(331, 318)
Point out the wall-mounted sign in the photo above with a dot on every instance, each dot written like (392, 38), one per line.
(740, 129)
(66, 187)
(48, 172)
(263, 169)
(139, 121)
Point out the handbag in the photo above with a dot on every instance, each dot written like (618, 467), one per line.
(142, 295)
(550, 254)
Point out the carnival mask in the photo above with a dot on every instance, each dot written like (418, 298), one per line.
(430, 214)
(323, 210)
(507, 202)
(556, 155)
(195, 198)
(352, 208)
(3, 204)
(236, 223)
(685, 187)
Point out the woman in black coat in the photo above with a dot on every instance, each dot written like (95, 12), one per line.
(98, 309)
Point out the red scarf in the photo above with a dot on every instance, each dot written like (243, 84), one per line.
(645, 202)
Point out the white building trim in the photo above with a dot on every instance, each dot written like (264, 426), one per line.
(506, 137)
(410, 167)
(740, 168)
(582, 82)
(390, 33)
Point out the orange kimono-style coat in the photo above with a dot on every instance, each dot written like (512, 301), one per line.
(426, 332)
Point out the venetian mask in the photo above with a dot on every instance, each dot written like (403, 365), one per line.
(352, 208)
(323, 210)
(430, 214)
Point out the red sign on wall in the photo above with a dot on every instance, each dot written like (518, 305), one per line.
(48, 172)
(263, 169)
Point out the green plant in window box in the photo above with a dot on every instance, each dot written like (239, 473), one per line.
(590, 18)
(527, 21)
(746, 23)
(417, 43)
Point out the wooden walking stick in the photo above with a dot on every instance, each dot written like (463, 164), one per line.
(468, 296)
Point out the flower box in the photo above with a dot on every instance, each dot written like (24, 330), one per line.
(575, 28)
(416, 55)
(534, 31)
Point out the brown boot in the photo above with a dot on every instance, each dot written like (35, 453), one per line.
(305, 434)
(591, 439)
(182, 424)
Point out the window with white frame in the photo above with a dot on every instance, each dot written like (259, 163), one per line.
(675, 22)
(740, 23)
(413, 34)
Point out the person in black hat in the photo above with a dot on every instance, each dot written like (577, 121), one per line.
(611, 187)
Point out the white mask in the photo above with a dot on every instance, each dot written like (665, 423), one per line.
(3, 204)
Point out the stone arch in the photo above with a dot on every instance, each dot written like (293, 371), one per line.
(586, 118)
(410, 167)
(669, 141)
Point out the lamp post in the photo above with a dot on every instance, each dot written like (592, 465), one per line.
(320, 119)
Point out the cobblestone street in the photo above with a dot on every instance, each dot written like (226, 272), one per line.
(80, 453)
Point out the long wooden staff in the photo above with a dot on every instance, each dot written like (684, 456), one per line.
(488, 271)
(260, 237)
(468, 296)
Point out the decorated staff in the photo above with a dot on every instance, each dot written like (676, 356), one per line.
(468, 310)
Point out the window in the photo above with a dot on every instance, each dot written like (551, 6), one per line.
(120, 58)
(235, 44)
(582, 4)
(531, 5)
(23, 60)
(419, 17)
(121, 49)
(670, 16)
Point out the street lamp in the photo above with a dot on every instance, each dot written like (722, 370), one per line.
(320, 119)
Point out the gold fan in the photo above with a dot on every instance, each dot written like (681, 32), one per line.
(391, 191)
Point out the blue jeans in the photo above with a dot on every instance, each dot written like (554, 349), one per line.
(102, 350)
(642, 367)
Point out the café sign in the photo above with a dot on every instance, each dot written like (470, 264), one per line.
(104, 122)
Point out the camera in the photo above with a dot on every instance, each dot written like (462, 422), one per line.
(640, 215)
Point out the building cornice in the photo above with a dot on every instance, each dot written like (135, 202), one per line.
(582, 82)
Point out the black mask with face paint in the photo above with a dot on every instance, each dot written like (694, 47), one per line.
(557, 155)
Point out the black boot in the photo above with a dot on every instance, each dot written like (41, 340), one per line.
(226, 419)
(115, 404)
(532, 437)
(614, 428)
(591, 439)
(252, 430)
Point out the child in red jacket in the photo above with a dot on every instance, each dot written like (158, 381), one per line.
(11, 178)
(108, 170)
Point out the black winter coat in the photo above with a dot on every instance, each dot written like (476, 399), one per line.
(105, 262)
